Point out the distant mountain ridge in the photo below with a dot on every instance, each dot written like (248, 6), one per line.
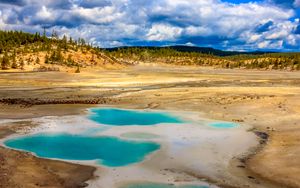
(204, 50)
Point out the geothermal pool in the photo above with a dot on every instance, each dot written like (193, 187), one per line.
(120, 117)
(138, 146)
(109, 151)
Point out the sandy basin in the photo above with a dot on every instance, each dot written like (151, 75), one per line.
(267, 100)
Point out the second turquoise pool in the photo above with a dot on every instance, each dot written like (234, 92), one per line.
(120, 117)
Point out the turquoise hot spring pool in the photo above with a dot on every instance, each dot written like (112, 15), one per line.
(109, 151)
(121, 117)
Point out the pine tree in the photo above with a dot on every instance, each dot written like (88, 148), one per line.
(46, 59)
(54, 35)
(14, 64)
(59, 56)
(297, 63)
(44, 34)
(64, 43)
(5, 62)
(37, 61)
(71, 40)
(275, 64)
(22, 64)
(53, 56)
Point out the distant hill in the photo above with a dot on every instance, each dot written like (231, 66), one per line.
(204, 50)
(35, 52)
(188, 55)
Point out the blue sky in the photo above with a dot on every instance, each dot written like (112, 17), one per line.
(242, 25)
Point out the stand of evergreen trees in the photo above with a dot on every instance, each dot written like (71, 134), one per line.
(14, 44)
(276, 61)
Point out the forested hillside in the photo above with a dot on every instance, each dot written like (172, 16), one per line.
(37, 52)
(191, 56)
(182, 48)
(19, 50)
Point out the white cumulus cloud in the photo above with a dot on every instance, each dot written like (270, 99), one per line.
(131, 22)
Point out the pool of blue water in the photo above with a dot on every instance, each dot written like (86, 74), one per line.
(109, 151)
(120, 117)
(224, 125)
(156, 185)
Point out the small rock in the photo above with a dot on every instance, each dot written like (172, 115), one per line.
(262, 135)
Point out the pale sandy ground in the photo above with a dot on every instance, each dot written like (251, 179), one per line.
(268, 101)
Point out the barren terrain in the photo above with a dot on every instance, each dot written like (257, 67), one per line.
(269, 101)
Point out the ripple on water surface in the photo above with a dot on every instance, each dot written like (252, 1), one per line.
(120, 117)
(109, 151)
